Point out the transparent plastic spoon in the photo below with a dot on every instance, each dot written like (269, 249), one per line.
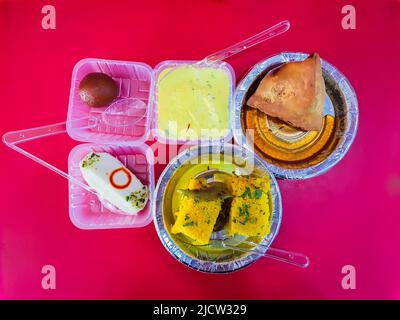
(121, 113)
(267, 34)
(223, 54)
(290, 257)
(293, 258)
(124, 112)
(133, 107)
(127, 112)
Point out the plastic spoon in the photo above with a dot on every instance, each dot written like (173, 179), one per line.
(290, 257)
(223, 54)
(267, 34)
(293, 258)
(13, 138)
(127, 112)
(121, 113)
(124, 112)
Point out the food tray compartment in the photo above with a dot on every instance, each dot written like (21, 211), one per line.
(85, 209)
(173, 64)
(134, 80)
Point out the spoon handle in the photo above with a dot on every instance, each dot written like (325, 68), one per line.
(293, 258)
(269, 33)
(13, 139)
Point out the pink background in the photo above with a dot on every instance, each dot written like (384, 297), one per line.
(349, 215)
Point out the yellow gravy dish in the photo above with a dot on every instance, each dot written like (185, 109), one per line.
(193, 103)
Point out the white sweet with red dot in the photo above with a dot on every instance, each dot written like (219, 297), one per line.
(114, 182)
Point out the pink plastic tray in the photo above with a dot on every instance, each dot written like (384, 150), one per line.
(85, 209)
(135, 80)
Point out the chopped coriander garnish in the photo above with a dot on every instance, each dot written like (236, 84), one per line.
(90, 159)
(244, 212)
(138, 197)
(189, 224)
(246, 209)
(258, 194)
(247, 193)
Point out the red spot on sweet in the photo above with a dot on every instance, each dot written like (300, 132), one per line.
(120, 186)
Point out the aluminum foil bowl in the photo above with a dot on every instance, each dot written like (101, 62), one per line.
(340, 104)
(228, 260)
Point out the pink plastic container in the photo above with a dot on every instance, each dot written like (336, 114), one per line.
(174, 63)
(127, 143)
(134, 79)
(85, 209)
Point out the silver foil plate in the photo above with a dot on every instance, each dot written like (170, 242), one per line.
(199, 263)
(351, 112)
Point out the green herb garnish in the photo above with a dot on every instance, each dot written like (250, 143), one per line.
(189, 224)
(246, 209)
(247, 193)
(258, 194)
(138, 197)
(244, 212)
(89, 160)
